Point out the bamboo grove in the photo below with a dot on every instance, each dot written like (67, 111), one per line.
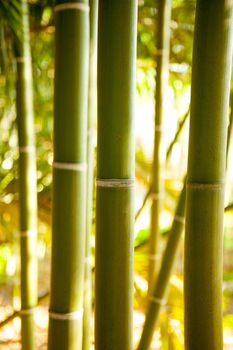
(95, 290)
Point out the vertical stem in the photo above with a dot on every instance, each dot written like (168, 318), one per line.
(164, 13)
(158, 297)
(115, 172)
(229, 130)
(27, 181)
(69, 175)
(87, 316)
(212, 57)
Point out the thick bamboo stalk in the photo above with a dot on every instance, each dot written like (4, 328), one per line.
(212, 58)
(27, 181)
(164, 13)
(69, 175)
(115, 172)
(87, 302)
(158, 297)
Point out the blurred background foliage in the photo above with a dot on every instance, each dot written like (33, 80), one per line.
(170, 335)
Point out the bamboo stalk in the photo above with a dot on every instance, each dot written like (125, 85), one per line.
(230, 124)
(158, 297)
(169, 150)
(87, 316)
(177, 134)
(115, 175)
(69, 175)
(16, 313)
(164, 13)
(210, 89)
(27, 181)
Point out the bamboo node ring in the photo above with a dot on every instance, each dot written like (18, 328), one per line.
(158, 128)
(88, 260)
(203, 186)
(156, 195)
(28, 233)
(160, 52)
(27, 311)
(154, 257)
(179, 218)
(22, 59)
(26, 149)
(70, 166)
(71, 6)
(116, 183)
(158, 301)
(75, 315)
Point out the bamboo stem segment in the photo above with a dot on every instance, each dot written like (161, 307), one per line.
(27, 182)
(115, 173)
(69, 175)
(212, 58)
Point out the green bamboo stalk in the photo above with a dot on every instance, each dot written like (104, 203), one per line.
(162, 282)
(69, 175)
(230, 124)
(115, 175)
(164, 13)
(177, 134)
(169, 150)
(212, 57)
(158, 297)
(27, 181)
(87, 302)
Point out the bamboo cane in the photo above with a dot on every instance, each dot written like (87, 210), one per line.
(115, 175)
(164, 13)
(27, 181)
(158, 297)
(87, 316)
(210, 89)
(69, 175)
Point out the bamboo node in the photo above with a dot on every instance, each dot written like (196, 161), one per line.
(156, 195)
(26, 149)
(71, 6)
(70, 166)
(160, 52)
(117, 183)
(203, 186)
(158, 128)
(25, 312)
(154, 257)
(159, 301)
(88, 260)
(180, 219)
(28, 233)
(75, 315)
(22, 59)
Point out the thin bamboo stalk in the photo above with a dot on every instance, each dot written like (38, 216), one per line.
(87, 302)
(69, 175)
(177, 134)
(27, 181)
(164, 13)
(230, 124)
(158, 297)
(115, 175)
(212, 57)
(169, 150)
(16, 313)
